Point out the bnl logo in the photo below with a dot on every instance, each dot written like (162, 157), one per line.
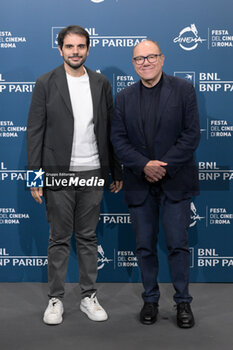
(35, 178)
(190, 76)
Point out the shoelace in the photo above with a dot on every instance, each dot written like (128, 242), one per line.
(149, 307)
(54, 304)
(183, 307)
(94, 302)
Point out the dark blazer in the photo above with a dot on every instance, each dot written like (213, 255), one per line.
(51, 124)
(173, 140)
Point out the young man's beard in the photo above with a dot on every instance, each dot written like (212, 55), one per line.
(75, 65)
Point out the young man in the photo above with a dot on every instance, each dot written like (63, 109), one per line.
(68, 132)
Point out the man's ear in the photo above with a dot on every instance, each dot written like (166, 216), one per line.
(60, 50)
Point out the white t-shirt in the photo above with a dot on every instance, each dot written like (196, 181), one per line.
(85, 154)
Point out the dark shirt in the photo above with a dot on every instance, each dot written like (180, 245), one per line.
(149, 104)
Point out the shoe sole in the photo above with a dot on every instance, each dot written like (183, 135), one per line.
(148, 322)
(53, 323)
(85, 311)
(181, 325)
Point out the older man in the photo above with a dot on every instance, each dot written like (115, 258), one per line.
(155, 133)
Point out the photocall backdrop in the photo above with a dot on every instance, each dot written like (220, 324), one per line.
(196, 38)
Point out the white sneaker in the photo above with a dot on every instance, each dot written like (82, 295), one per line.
(54, 311)
(92, 308)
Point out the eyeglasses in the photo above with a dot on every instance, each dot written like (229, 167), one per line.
(153, 58)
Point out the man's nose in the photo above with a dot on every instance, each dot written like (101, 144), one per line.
(146, 61)
(75, 49)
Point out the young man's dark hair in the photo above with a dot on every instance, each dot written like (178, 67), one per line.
(73, 30)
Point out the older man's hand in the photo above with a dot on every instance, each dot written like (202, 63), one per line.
(154, 170)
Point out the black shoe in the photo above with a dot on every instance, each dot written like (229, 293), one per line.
(148, 314)
(185, 317)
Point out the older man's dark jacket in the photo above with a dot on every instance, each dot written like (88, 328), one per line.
(173, 140)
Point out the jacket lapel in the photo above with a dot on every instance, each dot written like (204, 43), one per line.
(96, 88)
(62, 86)
(164, 95)
(136, 112)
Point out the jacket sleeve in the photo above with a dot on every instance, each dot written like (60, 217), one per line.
(127, 153)
(36, 127)
(114, 163)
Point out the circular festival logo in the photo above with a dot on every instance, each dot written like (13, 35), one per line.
(194, 217)
(102, 259)
(188, 38)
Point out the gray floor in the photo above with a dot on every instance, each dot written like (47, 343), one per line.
(22, 306)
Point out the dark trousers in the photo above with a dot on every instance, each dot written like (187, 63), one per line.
(73, 210)
(175, 217)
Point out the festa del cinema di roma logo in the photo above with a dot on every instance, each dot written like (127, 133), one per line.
(188, 38)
